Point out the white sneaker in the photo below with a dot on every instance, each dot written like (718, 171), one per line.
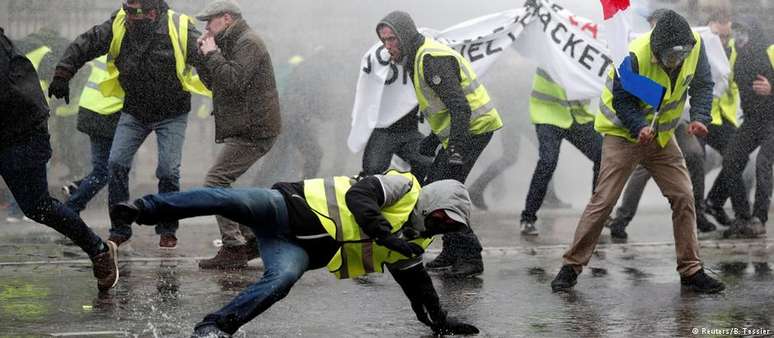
(12, 219)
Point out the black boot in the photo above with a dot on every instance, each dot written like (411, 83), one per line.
(702, 283)
(703, 224)
(618, 228)
(718, 213)
(443, 261)
(466, 268)
(565, 279)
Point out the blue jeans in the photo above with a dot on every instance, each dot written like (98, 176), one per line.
(130, 134)
(23, 167)
(265, 213)
(90, 185)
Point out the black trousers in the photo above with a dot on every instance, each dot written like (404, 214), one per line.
(751, 135)
(23, 167)
(462, 245)
(582, 136)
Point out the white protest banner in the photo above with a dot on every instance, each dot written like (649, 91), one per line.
(566, 46)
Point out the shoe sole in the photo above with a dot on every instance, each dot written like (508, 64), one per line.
(562, 288)
(529, 233)
(113, 248)
(710, 291)
(167, 247)
(230, 267)
(462, 276)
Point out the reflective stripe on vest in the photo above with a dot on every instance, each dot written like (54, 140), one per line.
(358, 254)
(92, 98)
(483, 118)
(607, 123)
(179, 38)
(548, 104)
(770, 51)
(726, 106)
(36, 57)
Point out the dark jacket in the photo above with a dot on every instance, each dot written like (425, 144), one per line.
(146, 66)
(241, 77)
(445, 68)
(752, 61)
(23, 107)
(627, 106)
(95, 124)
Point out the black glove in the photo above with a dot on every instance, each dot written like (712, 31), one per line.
(452, 327)
(428, 145)
(401, 246)
(60, 88)
(455, 155)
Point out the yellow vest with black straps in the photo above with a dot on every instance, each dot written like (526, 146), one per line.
(548, 104)
(358, 254)
(607, 123)
(483, 118)
(190, 82)
(92, 98)
(725, 106)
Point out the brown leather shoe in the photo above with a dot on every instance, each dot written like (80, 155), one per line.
(250, 250)
(106, 267)
(118, 240)
(228, 257)
(168, 242)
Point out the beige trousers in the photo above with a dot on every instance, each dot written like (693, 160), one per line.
(667, 166)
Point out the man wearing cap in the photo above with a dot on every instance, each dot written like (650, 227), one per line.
(673, 56)
(150, 50)
(238, 69)
(353, 227)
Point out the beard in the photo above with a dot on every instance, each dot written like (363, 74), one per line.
(141, 27)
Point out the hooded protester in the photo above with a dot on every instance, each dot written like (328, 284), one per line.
(721, 131)
(753, 74)
(352, 227)
(636, 133)
(150, 49)
(461, 117)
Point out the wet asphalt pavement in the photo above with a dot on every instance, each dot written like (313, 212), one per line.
(631, 289)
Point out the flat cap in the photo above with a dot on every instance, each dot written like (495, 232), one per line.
(218, 7)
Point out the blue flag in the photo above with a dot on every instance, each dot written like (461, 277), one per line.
(645, 89)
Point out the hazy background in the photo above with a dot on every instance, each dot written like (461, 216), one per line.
(343, 30)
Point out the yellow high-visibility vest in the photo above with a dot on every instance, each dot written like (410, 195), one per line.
(36, 57)
(92, 98)
(358, 254)
(548, 104)
(725, 106)
(483, 118)
(190, 82)
(607, 123)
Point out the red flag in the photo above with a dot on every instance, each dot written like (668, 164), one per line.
(610, 7)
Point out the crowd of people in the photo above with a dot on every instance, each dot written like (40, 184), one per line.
(136, 72)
